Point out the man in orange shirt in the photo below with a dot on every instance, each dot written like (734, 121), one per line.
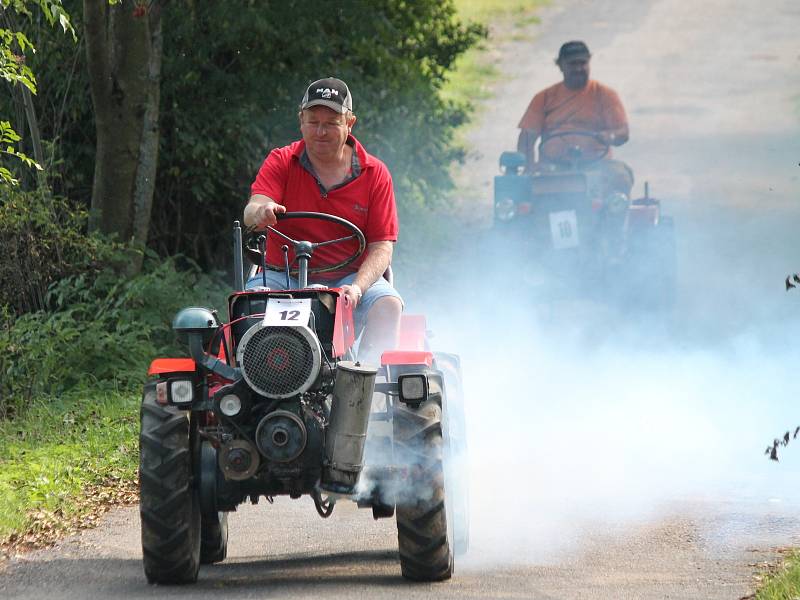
(581, 105)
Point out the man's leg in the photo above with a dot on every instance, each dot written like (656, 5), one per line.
(377, 317)
(381, 330)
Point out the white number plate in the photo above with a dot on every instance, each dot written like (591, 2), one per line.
(564, 229)
(287, 311)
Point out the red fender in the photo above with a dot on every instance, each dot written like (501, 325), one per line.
(407, 357)
(171, 365)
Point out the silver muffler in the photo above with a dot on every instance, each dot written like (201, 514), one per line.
(347, 432)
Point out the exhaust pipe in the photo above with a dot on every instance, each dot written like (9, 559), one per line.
(238, 262)
(347, 433)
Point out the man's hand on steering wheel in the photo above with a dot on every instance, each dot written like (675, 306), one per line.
(267, 214)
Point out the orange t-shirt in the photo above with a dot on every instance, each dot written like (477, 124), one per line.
(595, 107)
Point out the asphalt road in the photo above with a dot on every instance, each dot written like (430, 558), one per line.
(610, 457)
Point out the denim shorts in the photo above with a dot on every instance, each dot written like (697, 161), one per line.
(379, 289)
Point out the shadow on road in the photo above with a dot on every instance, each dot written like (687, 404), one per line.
(292, 575)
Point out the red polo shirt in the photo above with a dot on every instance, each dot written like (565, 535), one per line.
(366, 200)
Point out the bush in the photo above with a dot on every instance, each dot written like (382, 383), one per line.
(42, 239)
(98, 332)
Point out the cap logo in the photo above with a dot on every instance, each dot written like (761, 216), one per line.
(326, 92)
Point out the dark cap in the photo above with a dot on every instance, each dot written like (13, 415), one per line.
(574, 49)
(330, 92)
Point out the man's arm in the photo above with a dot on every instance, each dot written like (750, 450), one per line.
(261, 211)
(526, 141)
(377, 260)
(615, 121)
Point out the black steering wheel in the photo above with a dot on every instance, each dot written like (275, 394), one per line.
(304, 247)
(575, 155)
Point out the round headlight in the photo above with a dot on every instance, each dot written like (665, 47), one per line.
(505, 209)
(230, 405)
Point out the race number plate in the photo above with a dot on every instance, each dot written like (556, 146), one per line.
(287, 311)
(564, 229)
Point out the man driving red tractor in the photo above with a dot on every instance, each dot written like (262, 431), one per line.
(577, 120)
(329, 171)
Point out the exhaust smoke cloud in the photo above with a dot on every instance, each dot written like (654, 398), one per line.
(592, 419)
(585, 419)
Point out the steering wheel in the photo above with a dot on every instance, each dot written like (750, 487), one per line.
(305, 247)
(575, 153)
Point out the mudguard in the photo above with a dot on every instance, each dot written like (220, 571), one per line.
(161, 366)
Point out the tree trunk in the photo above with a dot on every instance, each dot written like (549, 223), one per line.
(123, 46)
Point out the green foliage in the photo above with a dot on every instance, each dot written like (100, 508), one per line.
(484, 10)
(69, 319)
(250, 62)
(394, 56)
(475, 69)
(13, 68)
(783, 584)
(52, 10)
(43, 242)
(57, 449)
(8, 137)
(97, 331)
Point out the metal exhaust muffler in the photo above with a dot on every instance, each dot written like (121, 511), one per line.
(347, 432)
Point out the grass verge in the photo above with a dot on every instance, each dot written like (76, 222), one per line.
(782, 583)
(64, 461)
(475, 70)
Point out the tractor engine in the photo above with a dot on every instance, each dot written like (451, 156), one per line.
(292, 419)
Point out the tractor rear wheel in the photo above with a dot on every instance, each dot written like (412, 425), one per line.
(424, 534)
(214, 538)
(168, 502)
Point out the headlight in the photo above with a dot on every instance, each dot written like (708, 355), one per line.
(413, 388)
(230, 405)
(181, 391)
(505, 209)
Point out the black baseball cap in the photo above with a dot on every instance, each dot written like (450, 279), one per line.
(330, 92)
(574, 49)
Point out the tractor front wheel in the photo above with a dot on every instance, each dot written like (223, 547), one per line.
(168, 502)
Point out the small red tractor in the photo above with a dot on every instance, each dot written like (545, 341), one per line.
(274, 403)
(564, 222)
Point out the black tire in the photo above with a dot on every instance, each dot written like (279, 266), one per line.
(423, 533)
(213, 538)
(168, 502)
